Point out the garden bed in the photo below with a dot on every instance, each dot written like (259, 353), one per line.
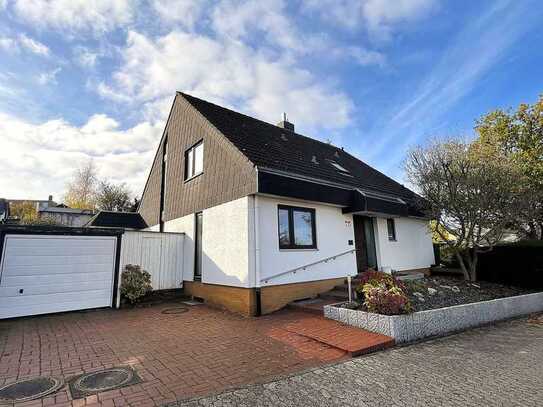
(442, 306)
(440, 292)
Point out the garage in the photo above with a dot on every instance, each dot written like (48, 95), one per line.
(56, 270)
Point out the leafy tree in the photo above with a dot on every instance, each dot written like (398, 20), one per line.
(26, 211)
(28, 214)
(87, 191)
(113, 197)
(470, 192)
(519, 136)
(81, 190)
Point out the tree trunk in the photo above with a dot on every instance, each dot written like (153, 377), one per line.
(462, 265)
(473, 265)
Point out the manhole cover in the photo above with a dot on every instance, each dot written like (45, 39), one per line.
(103, 380)
(29, 389)
(176, 310)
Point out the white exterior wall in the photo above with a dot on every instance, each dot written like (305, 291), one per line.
(412, 249)
(225, 243)
(334, 230)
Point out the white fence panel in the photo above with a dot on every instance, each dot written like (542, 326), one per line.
(161, 254)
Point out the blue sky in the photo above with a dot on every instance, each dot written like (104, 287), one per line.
(82, 80)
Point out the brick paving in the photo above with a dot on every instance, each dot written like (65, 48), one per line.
(178, 356)
(499, 365)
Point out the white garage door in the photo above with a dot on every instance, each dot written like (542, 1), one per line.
(41, 274)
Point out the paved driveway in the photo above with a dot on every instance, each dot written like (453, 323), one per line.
(500, 365)
(178, 356)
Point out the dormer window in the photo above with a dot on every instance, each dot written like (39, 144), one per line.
(338, 167)
(194, 161)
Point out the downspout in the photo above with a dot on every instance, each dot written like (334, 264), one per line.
(256, 221)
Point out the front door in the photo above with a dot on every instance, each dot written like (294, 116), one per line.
(198, 246)
(364, 239)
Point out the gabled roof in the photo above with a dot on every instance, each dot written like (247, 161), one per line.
(272, 147)
(107, 219)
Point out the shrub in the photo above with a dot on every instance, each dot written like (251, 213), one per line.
(382, 293)
(135, 282)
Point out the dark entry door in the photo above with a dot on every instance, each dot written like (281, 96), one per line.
(198, 246)
(364, 239)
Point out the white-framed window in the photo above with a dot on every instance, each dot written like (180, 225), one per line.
(194, 160)
(391, 228)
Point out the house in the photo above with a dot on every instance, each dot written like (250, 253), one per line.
(271, 216)
(64, 215)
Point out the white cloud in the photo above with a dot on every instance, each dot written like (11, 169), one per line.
(33, 46)
(96, 16)
(184, 12)
(24, 42)
(379, 17)
(85, 57)
(9, 44)
(45, 155)
(227, 72)
(49, 77)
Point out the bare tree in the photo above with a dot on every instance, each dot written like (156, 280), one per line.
(113, 197)
(471, 193)
(81, 190)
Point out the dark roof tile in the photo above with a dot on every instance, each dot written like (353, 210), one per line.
(269, 146)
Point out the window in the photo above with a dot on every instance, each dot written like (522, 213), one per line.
(194, 160)
(391, 227)
(296, 228)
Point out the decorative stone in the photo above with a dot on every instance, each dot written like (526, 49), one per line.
(432, 291)
(455, 289)
(420, 296)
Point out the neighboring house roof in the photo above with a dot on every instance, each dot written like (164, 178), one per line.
(273, 147)
(65, 209)
(128, 220)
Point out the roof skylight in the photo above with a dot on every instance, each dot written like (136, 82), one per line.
(338, 167)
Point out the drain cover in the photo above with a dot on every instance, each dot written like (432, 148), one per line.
(29, 389)
(103, 380)
(176, 310)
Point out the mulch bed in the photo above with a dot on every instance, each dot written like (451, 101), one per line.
(450, 291)
(440, 292)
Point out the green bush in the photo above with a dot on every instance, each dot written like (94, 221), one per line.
(135, 283)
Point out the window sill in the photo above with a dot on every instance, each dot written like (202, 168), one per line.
(194, 176)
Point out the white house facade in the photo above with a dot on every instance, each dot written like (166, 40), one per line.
(271, 216)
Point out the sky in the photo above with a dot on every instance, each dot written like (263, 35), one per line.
(84, 80)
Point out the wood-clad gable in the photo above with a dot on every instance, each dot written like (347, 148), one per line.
(227, 175)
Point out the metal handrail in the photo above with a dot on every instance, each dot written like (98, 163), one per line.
(294, 270)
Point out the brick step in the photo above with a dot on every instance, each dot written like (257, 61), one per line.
(353, 341)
